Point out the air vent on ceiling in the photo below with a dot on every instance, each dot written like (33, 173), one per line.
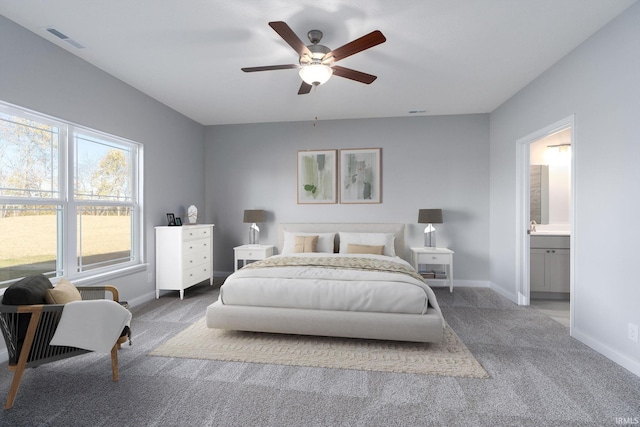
(65, 38)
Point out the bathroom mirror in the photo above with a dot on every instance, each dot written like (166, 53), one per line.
(539, 194)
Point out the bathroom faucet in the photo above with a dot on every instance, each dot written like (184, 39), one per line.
(533, 225)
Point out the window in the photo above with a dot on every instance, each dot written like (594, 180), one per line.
(69, 198)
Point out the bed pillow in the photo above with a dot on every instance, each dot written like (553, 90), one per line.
(371, 239)
(62, 293)
(325, 241)
(365, 249)
(305, 244)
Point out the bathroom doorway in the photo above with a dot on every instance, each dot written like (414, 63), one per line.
(545, 215)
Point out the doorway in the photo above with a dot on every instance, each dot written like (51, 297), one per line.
(524, 213)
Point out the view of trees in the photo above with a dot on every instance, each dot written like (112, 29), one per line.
(29, 167)
(28, 158)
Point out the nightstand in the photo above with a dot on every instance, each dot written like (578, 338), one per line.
(247, 253)
(434, 264)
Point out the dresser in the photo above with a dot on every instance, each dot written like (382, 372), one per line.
(184, 257)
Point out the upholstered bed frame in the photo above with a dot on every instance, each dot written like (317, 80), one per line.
(426, 327)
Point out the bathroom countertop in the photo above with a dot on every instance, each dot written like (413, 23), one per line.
(551, 233)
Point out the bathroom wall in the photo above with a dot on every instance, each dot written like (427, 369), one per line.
(559, 166)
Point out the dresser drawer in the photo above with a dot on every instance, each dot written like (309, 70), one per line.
(192, 246)
(195, 258)
(249, 253)
(433, 259)
(189, 233)
(196, 274)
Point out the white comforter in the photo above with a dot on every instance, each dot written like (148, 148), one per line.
(329, 288)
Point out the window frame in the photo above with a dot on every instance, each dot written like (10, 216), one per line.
(67, 257)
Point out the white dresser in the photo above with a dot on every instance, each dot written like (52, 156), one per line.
(184, 257)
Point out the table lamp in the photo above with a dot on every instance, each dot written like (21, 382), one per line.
(430, 217)
(254, 217)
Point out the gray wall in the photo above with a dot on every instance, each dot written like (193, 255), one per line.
(427, 162)
(599, 83)
(40, 76)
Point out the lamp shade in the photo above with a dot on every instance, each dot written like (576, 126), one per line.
(253, 216)
(430, 216)
(315, 74)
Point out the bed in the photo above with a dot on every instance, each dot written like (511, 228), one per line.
(326, 291)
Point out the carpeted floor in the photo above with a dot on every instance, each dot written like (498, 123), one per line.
(539, 377)
(449, 357)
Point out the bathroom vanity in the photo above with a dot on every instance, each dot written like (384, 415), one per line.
(549, 268)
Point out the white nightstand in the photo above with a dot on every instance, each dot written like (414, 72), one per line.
(426, 260)
(246, 253)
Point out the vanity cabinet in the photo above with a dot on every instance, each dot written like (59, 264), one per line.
(184, 257)
(549, 267)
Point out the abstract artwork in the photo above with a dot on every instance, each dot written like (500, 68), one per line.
(360, 180)
(317, 176)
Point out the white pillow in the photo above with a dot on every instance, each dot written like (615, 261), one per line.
(325, 241)
(370, 239)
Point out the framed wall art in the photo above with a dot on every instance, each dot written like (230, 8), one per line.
(317, 175)
(360, 175)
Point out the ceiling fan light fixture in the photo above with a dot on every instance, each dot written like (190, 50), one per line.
(315, 74)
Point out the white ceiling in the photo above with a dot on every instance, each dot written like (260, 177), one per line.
(440, 57)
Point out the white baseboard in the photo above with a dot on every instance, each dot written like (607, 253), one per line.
(471, 284)
(505, 293)
(620, 358)
(149, 296)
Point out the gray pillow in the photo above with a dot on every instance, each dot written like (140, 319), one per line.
(28, 291)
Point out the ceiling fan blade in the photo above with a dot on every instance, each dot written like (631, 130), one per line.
(370, 40)
(269, 68)
(305, 88)
(358, 76)
(290, 37)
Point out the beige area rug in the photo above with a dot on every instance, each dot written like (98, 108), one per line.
(450, 357)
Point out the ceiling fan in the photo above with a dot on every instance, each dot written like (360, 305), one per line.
(316, 63)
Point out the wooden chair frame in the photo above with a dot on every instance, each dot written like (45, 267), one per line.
(43, 320)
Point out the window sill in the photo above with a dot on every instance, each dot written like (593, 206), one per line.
(95, 279)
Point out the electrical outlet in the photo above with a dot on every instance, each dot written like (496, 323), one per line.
(150, 278)
(633, 332)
